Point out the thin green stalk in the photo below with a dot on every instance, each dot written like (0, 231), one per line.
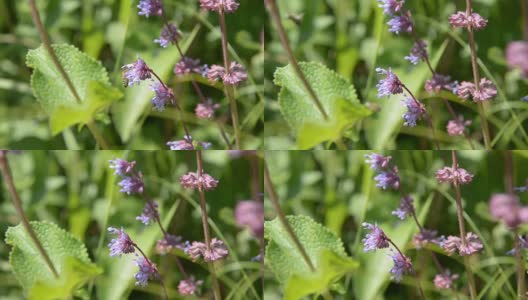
(8, 178)
(282, 217)
(98, 136)
(275, 16)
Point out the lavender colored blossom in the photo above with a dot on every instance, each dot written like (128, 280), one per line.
(191, 180)
(122, 244)
(215, 73)
(237, 73)
(391, 7)
(454, 176)
(187, 65)
(445, 280)
(437, 83)
(451, 244)
(388, 179)
(219, 6)
(465, 89)
(524, 99)
(486, 90)
(508, 209)
(516, 56)
(461, 19)
(457, 126)
(206, 110)
(377, 162)
(150, 213)
(402, 265)
(170, 241)
(424, 237)
(251, 214)
(418, 52)
(472, 245)
(135, 72)
(189, 286)
(185, 144)
(401, 23)
(217, 250)
(406, 207)
(376, 239)
(196, 250)
(415, 112)
(163, 95)
(391, 84)
(150, 7)
(132, 185)
(121, 166)
(147, 271)
(169, 34)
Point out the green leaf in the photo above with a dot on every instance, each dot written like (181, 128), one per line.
(88, 76)
(67, 253)
(336, 94)
(323, 247)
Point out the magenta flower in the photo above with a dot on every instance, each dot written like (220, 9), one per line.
(196, 250)
(424, 237)
(465, 89)
(401, 23)
(451, 244)
(217, 251)
(406, 207)
(508, 209)
(185, 144)
(454, 176)
(391, 85)
(147, 271)
(189, 286)
(516, 56)
(418, 52)
(163, 95)
(191, 180)
(402, 265)
(121, 166)
(170, 241)
(415, 112)
(487, 90)
(150, 213)
(391, 7)
(376, 239)
(472, 246)
(206, 110)
(388, 179)
(215, 73)
(135, 72)
(150, 7)
(445, 280)
(458, 126)
(461, 19)
(132, 185)
(236, 74)
(251, 214)
(122, 244)
(219, 6)
(169, 34)
(437, 83)
(377, 162)
(187, 65)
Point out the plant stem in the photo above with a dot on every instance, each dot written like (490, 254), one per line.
(422, 294)
(227, 88)
(207, 235)
(275, 15)
(8, 178)
(280, 214)
(462, 229)
(524, 10)
(98, 136)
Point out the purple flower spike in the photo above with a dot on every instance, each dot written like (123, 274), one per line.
(445, 280)
(390, 85)
(402, 265)
(191, 180)
(454, 176)
(163, 95)
(206, 110)
(415, 112)
(405, 209)
(486, 91)
(169, 34)
(418, 52)
(458, 126)
(189, 286)
(251, 214)
(424, 237)
(391, 7)
(147, 271)
(150, 213)
(437, 83)
(237, 73)
(185, 144)
(401, 23)
(217, 251)
(187, 65)
(135, 72)
(150, 7)
(227, 6)
(131, 185)
(388, 179)
(377, 162)
(376, 239)
(121, 166)
(122, 244)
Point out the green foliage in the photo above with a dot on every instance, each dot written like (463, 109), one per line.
(323, 247)
(335, 93)
(68, 255)
(88, 76)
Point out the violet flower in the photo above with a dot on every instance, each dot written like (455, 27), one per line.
(507, 208)
(424, 237)
(187, 65)
(163, 95)
(191, 180)
(122, 244)
(217, 251)
(461, 19)
(388, 179)
(150, 213)
(251, 214)
(121, 166)
(437, 83)
(401, 23)
(189, 286)
(402, 265)
(445, 280)
(415, 111)
(150, 7)
(185, 144)
(377, 162)
(206, 110)
(147, 271)
(170, 241)
(169, 34)
(516, 56)
(454, 176)
(457, 126)
(391, 7)
(390, 85)
(406, 207)
(418, 52)
(132, 185)
(219, 6)
(135, 72)
(376, 239)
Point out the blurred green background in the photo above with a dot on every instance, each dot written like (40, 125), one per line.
(77, 191)
(351, 37)
(112, 32)
(337, 189)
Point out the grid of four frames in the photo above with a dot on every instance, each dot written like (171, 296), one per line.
(263, 149)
